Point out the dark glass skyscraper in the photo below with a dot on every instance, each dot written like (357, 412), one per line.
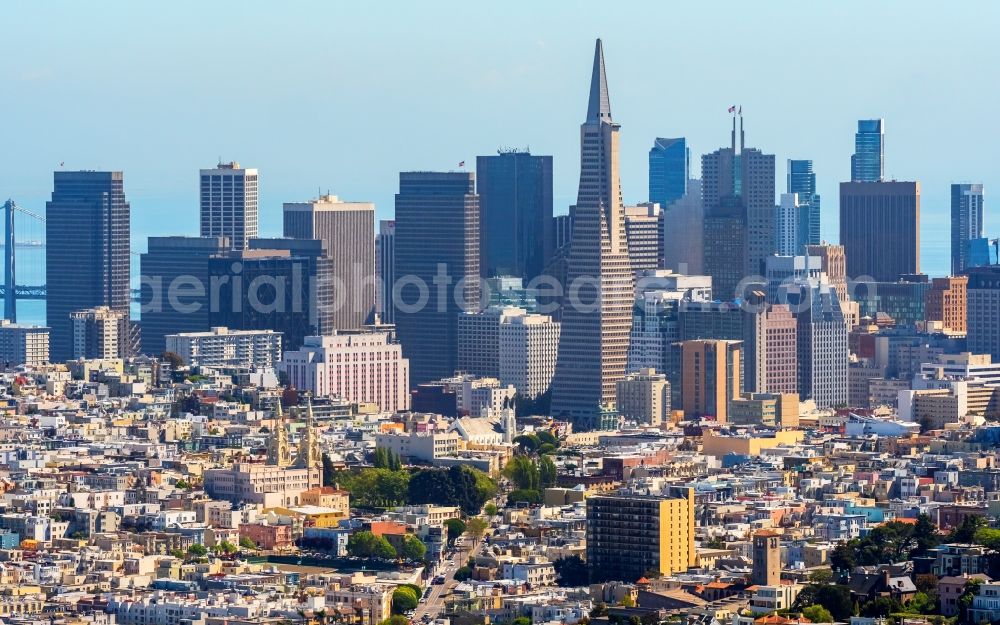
(87, 250)
(966, 222)
(880, 229)
(868, 160)
(738, 183)
(176, 266)
(669, 169)
(515, 214)
(437, 233)
(802, 181)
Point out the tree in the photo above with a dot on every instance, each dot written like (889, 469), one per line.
(395, 462)
(367, 545)
(922, 603)
(431, 486)
(821, 576)
(716, 542)
(491, 509)
(381, 460)
(404, 600)
(527, 442)
(628, 601)
(413, 549)
(246, 543)
(547, 437)
(523, 473)
(817, 614)
(198, 551)
(834, 597)
(546, 472)
(396, 619)
(227, 547)
(571, 571)
(525, 495)
(329, 472)
(456, 527)
(926, 535)
(463, 573)
(966, 531)
(476, 527)
(173, 359)
(880, 607)
(599, 610)
(521, 620)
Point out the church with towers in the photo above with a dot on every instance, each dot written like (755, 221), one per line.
(281, 479)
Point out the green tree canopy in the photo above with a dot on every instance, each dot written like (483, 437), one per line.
(571, 571)
(404, 600)
(476, 527)
(364, 544)
(413, 548)
(817, 614)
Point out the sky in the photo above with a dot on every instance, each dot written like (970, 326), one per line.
(341, 96)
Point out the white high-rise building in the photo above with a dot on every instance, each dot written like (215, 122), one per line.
(786, 226)
(528, 348)
(229, 203)
(23, 344)
(362, 367)
(223, 347)
(479, 340)
(100, 332)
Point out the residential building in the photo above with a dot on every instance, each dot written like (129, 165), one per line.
(23, 344)
(515, 214)
(983, 310)
(348, 229)
(945, 305)
(360, 367)
(222, 347)
(644, 397)
(229, 203)
(385, 270)
(100, 332)
(967, 219)
(629, 535)
(802, 182)
(175, 293)
(437, 229)
(593, 344)
(868, 160)
(87, 260)
(880, 229)
(669, 170)
(644, 236)
(419, 446)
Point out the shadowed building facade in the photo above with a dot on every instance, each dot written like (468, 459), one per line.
(437, 229)
(87, 253)
(880, 229)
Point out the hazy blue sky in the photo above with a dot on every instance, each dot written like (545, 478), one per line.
(342, 96)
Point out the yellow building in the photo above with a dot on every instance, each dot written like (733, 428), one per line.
(714, 444)
(311, 516)
(630, 535)
(328, 497)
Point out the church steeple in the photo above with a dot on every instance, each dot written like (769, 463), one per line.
(278, 452)
(599, 107)
(309, 456)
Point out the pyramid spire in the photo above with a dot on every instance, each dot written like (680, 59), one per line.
(599, 107)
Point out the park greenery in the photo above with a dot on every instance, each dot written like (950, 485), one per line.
(384, 487)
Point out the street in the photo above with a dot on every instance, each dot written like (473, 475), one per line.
(434, 603)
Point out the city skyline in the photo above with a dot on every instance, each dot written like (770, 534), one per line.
(291, 143)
